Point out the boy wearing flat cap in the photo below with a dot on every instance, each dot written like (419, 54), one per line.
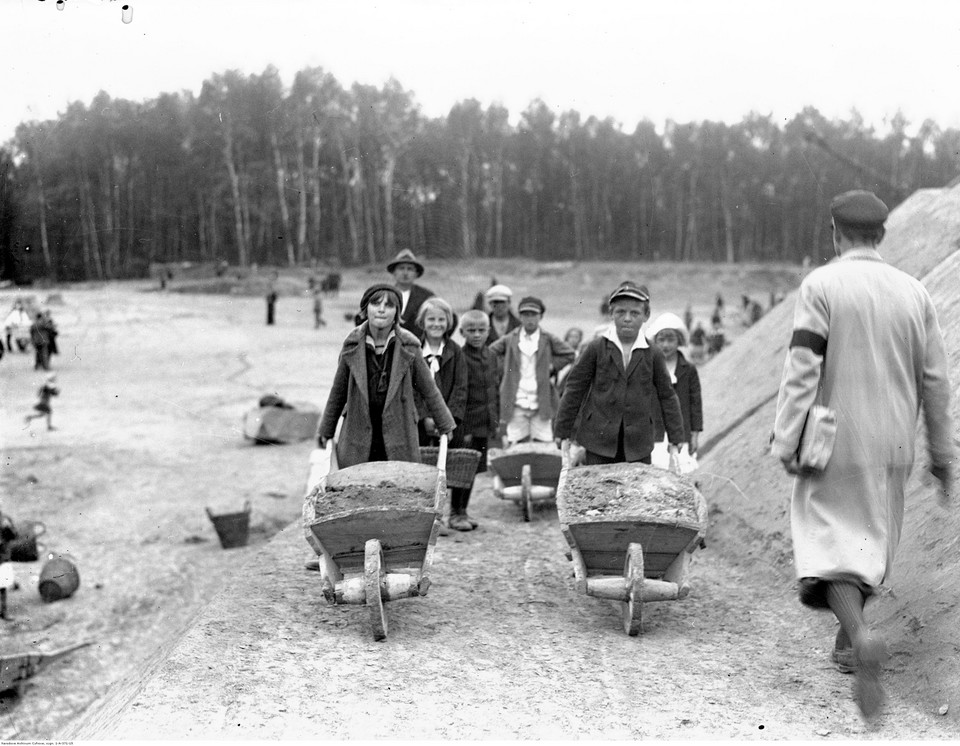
(502, 320)
(405, 268)
(529, 359)
(866, 344)
(614, 384)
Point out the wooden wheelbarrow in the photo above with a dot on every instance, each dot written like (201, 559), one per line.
(527, 473)
(631, 529)
(17, 668)
(374, 527)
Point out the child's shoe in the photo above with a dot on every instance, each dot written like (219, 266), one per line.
(472, 522)
(460, 523)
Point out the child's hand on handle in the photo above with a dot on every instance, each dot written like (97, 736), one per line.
(674, 452)
(321, 441)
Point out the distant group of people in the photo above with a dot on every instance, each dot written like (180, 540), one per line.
(22, 332)
(402, 381)
(315, 288)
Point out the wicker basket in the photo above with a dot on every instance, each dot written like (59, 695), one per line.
(461, 464)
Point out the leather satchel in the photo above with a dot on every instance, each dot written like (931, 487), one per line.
(818, 437)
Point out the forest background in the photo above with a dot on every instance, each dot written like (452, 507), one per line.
(253, 172)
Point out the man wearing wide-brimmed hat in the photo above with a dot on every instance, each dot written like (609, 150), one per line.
(865, 344)
(405, 268)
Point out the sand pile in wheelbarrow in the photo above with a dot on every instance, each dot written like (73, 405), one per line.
(630, 489)
(384, 494)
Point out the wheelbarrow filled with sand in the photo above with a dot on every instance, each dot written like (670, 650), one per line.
(526, 473)
(374, 527)
(631, 529)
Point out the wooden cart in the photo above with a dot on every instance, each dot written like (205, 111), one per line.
(630, 556)
(374, 553)
(527, 473)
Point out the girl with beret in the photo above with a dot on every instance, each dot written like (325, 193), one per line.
(380, 372)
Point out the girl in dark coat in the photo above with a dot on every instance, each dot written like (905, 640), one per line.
(445, 360)
(380, 370)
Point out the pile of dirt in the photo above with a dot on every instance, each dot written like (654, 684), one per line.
(630, 490)
(385, 494)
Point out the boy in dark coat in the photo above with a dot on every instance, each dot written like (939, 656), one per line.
(481, 413)
(616, 380)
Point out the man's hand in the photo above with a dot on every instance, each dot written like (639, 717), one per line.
(944, 476)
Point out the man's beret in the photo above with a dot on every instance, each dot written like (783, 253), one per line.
(858, 207)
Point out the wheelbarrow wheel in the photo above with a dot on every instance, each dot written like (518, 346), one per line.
(526, 494)
(373, 572)
(633, 575)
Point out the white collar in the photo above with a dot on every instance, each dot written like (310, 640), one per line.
(428, 351)
(640, 343)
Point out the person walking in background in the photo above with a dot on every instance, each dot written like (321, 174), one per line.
(271, 303)
(669, 334)
(52, 331)
(481, 411)
(530, 358)
(501, 318)
(17, 327)
(406, 268)
(380, 368)
(40, 337)
(861, 330)
(42, 407)
(318, 320)
(606, 406)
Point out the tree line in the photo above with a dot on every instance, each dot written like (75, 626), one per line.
(250, 171)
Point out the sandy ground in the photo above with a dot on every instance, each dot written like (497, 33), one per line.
(154, 387)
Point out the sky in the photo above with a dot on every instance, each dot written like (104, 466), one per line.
(686, 60)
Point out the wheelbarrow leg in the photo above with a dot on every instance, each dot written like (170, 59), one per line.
(633, 576)
(373, 572)
(526, 495)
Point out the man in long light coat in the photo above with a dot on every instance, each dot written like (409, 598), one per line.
(866, 343)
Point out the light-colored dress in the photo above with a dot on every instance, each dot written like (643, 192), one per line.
(884, 355)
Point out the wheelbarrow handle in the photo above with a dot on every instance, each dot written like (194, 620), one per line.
(442, 454)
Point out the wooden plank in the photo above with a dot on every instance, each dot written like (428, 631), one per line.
(404, 535)
(544, 467)
(600, 563)
(617, 536)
